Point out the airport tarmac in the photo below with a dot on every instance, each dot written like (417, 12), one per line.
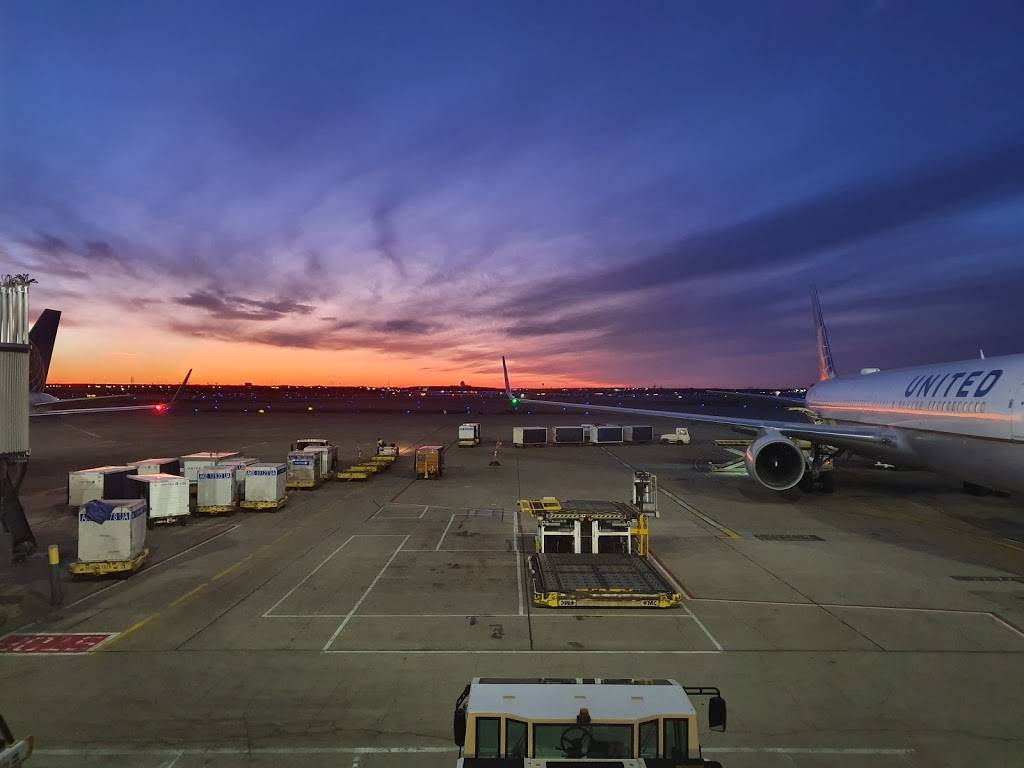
(881, 625)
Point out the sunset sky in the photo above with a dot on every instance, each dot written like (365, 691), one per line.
(609, 193)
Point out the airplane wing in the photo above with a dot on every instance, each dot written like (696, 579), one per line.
(158, 407)
(81, 400)
(778, 399)
(831, 434)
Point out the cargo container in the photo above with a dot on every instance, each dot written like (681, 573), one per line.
(238, 466)
(567, 435)
(111, 530)
(525, 436)
(265, 484)
(166, 496)
(304, 442)
(327, 459)
(101, 483)
(156, 466)
(430, 461)
(15, 355)
(587, 431)
(303, 469)
(638, 434)
(191, 464)
(469, 434)
(217, 489)
(606, 434)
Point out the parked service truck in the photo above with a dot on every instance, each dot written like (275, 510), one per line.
(680, 437)
(547, 722)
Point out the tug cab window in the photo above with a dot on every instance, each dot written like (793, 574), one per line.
(488, 737)
(515, 738)
(648, 739)
(677, 743)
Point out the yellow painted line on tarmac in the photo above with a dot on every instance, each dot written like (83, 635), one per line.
(133, 628)
(907, 517)
(228, 570)
(192, 592)
(729, 533)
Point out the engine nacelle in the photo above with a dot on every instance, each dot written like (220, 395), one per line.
(776, 462)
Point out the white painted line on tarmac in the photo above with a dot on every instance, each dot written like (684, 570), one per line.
(267, 613)
(519, 560)
(365, 594)
(444, 533)
(851, 751)
(527, 652)
(128, 751)
(573, 616)
(1000, 620)
(290, 592)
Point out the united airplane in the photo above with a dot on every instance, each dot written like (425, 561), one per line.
(41, 339)
(963, 419)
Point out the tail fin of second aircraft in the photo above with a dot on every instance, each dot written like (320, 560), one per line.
(826, 368)
(41, 338)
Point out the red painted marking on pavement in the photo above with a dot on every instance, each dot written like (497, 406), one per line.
(42, 643)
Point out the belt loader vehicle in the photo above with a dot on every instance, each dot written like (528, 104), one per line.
(563, 722)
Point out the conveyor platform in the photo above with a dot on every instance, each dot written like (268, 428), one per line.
(611, 580)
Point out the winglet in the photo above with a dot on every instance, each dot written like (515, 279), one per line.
(826, 368)
(180, 388)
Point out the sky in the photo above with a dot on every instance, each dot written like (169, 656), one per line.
(608, 193)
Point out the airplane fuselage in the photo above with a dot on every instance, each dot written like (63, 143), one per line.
(963, 419)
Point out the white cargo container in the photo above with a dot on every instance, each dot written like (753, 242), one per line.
(100, 483)
(303, 469)
(587, 431)
(156, 466)
(191, 464)
(568, 435)
(111, 530)
(526, 436)
(238, 465)
(327, 459)
(166, 496)
(606, 434)
(638, 434)
(217, 489)
(265, 484)
(469, 434)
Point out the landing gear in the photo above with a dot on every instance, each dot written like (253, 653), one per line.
(820, 472)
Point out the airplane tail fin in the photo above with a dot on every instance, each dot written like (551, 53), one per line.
(826, 368)
(508, 387)
(42, 338)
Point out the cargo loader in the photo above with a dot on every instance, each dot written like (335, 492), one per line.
(596, 554)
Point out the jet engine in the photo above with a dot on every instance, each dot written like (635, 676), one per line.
(776, 462)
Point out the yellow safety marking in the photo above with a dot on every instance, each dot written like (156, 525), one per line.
(228, 570)
(1000, 542)
(133, 628)
(178, 601)
(192, 592)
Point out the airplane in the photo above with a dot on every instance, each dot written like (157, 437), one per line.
(963, 419)
(41, 339)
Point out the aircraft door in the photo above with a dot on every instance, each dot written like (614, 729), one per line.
(1017, 414)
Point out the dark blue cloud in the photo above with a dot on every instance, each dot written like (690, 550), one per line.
(657, 183)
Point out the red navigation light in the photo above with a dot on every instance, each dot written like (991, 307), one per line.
(159, 408)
